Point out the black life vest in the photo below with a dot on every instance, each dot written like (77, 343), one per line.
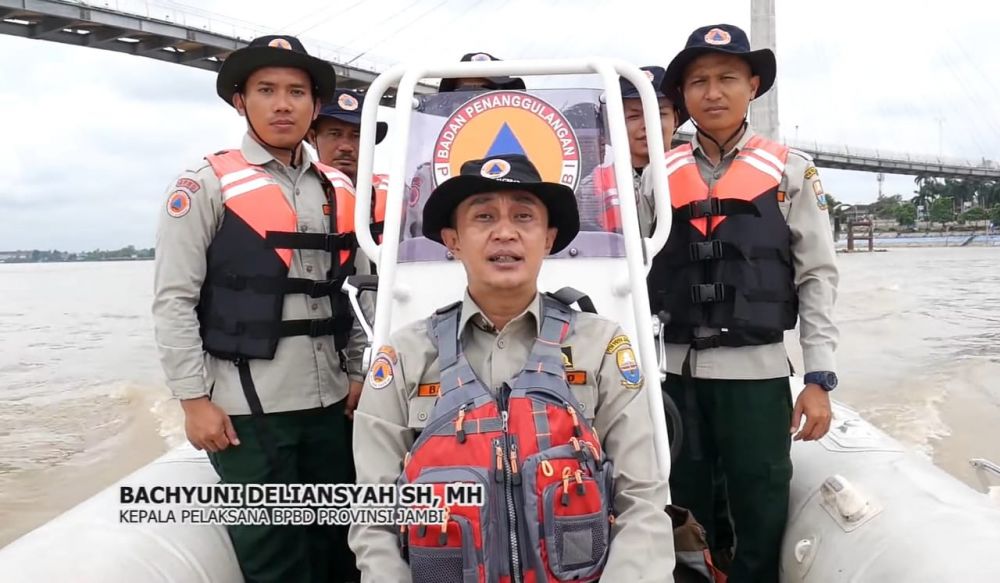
(727, 263)
(240, 310)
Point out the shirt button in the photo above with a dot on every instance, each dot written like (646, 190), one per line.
(297, 192)
(315, 306)
(309, 268)
(319, 347)
(501, 343)
(303, 229)
(421, 416)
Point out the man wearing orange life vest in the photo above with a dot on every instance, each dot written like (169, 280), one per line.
(602, 179)
(750, 253)
(255, 337)
(336, 135)
(513, 389)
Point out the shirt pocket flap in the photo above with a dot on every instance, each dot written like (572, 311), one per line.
(420, 411)
(586, 395)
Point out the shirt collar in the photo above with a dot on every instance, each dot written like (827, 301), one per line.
(257, 155)
(472, 313)
(696, 144)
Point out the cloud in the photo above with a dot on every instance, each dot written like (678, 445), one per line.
(94, 138)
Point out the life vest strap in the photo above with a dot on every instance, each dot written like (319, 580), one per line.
(715, 249)
(321, 241)
(708, 293)
(314, 288)
(313, 328)
(715, 207)
(570, 296)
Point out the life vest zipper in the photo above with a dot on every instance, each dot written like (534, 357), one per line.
(509, 453)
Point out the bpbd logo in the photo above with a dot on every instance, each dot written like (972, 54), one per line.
(508, 122)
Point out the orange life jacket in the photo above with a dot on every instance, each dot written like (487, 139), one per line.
(606, 189)
(380, 184)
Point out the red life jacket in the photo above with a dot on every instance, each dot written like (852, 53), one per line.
(606, 189)
(240, 309)
(548, 484)
(380, 184)
(727, 263)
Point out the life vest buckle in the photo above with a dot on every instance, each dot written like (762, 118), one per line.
(708, 293)
(705, 250)
(708, 207)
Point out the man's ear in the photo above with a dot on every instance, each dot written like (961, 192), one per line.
(754, 86)
(311, 137)
(239, 103)
(449, 236)
(550, 239)
(318, 105)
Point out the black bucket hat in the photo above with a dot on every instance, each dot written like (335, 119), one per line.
(274, 51)
(495, 83)
(655, 75)
(502, 173)
(721, 38)
(346, 106)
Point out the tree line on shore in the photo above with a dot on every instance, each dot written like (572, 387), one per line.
(129, 253)
(936, 200)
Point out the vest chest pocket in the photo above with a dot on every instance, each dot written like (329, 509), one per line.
(420, 411)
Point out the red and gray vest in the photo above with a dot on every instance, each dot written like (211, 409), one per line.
(549, 485)
(727, 263)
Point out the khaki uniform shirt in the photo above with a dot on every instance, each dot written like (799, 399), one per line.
(305, 372)
(816, 277)
(387, 421)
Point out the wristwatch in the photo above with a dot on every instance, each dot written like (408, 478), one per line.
(823, 378)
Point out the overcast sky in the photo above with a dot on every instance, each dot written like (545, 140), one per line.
(93, 138)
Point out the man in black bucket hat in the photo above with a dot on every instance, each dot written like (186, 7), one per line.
(255, 337)
(478, 83)
(501, 219)
(750, 254)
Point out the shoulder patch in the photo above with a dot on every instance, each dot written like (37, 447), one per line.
(629, 368)
(178, 204)
(810, 172)
(616, 343)
(188, 184)
(388, 352)
(380, 374)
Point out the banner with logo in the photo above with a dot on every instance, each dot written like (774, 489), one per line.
(561, 131)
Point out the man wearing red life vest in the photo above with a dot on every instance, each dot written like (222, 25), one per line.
(255, 337)
(602, 179)
(336, 135)
(750, 253)
(514, 390)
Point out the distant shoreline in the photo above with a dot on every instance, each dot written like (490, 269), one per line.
(103, 260)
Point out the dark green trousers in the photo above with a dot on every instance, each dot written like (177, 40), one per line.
(744, 436)
(311, 448)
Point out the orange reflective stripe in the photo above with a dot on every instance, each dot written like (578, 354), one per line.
(343, 190)
(253, 196)
(757, 168)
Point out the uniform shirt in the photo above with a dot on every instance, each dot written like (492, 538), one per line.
(387, 421)
(816, 277)
(305, 372)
